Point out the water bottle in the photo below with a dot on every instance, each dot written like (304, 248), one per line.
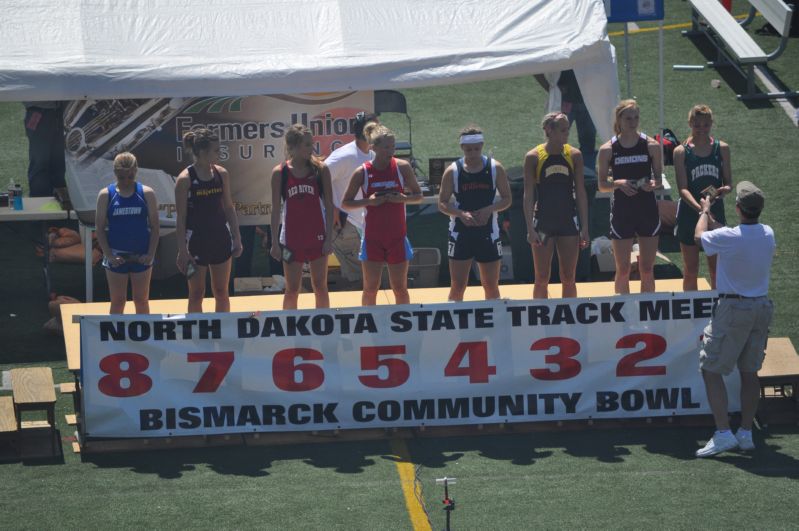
(17, 196)
(11, 189)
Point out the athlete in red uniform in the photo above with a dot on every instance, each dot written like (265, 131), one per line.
(302, 184)
(207, 227)
(636, 171)
(384, 181)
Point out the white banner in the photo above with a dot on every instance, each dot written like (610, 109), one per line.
(250, 130)
(395, 366)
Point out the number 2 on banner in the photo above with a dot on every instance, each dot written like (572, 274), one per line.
(138, 383)
(654, 346)
(218, 366)
(478, 370)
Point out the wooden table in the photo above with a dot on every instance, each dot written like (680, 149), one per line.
(39, 209)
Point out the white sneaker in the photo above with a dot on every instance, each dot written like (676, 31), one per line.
(745, 441)
(720, 442)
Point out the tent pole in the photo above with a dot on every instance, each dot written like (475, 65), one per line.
(662, 85)
(627, 65)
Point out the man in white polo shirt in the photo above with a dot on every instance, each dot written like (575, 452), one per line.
(738, 331)
(349, 225)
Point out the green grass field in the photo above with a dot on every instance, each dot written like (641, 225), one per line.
(612, 478)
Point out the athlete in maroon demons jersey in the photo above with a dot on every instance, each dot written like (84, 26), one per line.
(384, 181)
(302, 185)
(635, 162)
(207, 227)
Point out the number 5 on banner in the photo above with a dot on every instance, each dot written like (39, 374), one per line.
(218, 366)
(372, 358)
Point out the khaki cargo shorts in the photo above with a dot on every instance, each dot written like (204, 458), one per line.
(736, 335)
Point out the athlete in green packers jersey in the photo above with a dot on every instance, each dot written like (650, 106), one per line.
(702, 167)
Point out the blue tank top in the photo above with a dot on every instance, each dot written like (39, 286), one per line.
(128, 227)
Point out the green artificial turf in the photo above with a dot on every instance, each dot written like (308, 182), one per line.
(621, 478)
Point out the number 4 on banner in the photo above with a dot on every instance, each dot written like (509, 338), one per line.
(477, 369)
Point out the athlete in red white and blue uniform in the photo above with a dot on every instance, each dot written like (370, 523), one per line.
(474, 180)
(383, 182)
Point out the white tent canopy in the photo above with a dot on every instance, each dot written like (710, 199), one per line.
(114, 49)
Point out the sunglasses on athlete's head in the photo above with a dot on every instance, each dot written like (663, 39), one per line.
(360, 117)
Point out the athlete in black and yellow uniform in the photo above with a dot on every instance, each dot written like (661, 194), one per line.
(555, 211)
(474, 181)
(700, 162)
(555, 205)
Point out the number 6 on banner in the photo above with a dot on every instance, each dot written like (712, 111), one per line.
(218, 366)
(284, 369)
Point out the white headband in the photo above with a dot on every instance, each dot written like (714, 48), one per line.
(472, 139)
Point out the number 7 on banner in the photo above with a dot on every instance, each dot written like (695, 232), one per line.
(218, 366)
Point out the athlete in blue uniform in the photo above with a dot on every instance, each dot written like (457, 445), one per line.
(474, 180)
(127, 231)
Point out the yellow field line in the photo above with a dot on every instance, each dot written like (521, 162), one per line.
(683, 25)
(410, 488)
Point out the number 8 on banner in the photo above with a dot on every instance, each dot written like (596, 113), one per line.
(138, 383)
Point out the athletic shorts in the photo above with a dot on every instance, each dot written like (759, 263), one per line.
(308, 254)
(565, 226)
(391, 252)
(477, 245)
(687, 218)
(127, 267)
(736, 335)
(634, 216)
(210, 249)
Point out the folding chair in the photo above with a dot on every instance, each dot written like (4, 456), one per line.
(393, 101)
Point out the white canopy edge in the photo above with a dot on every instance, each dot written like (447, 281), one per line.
(116, 49)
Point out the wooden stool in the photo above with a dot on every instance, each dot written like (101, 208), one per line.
(9, 428)
(34, 390)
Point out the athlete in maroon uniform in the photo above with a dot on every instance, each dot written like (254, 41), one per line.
(207, 227)
(635, 161)
(302, 184)
(383, 181)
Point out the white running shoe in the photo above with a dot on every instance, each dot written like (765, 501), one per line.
(745, 441)
(720, 442)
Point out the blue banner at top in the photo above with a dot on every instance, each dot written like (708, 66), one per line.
(634, 10)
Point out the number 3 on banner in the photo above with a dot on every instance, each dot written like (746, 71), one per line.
(218, 366)
(564, 358)
(138, 383)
